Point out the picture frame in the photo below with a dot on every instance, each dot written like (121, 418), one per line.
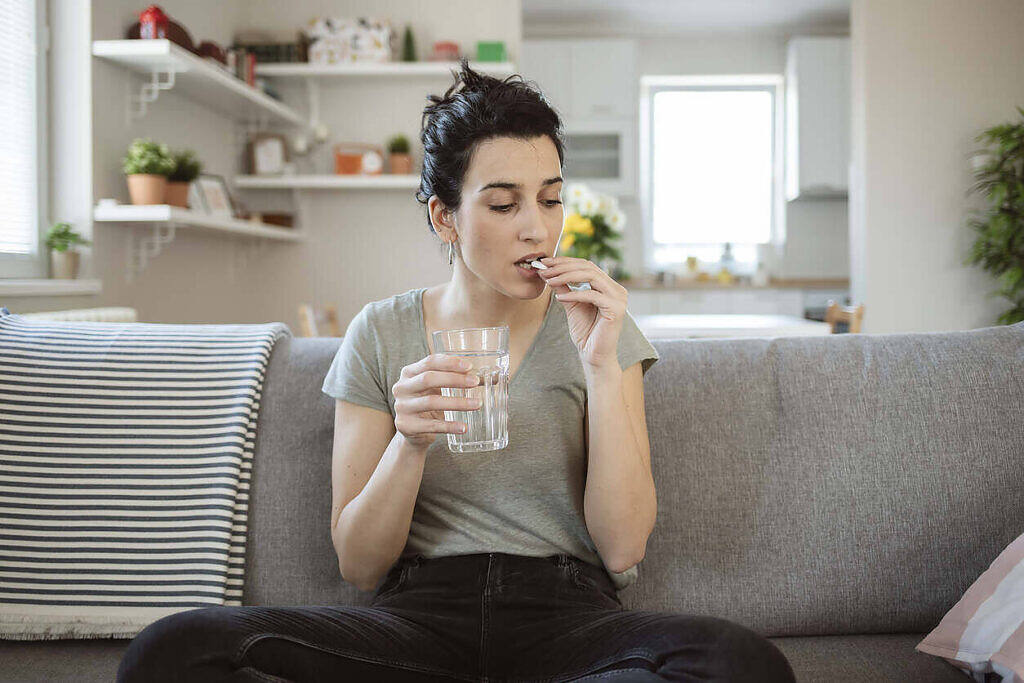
(216, 197)
(195, 198)
(267, 153)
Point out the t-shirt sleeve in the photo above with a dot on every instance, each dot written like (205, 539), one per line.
(634, 347)
(355, 372)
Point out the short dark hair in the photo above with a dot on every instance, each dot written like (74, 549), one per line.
(478, 107)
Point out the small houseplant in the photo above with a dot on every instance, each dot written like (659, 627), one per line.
(398, 154)
(60, 240)
(999, 245)
(592, 222)
(186, 169)
(146, 166)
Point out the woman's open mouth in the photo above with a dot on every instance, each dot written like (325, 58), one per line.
(526, 269)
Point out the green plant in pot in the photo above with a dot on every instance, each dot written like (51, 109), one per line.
(999, 245)
(186, 169)
(61, 239)
(146, 166)
(398, 154)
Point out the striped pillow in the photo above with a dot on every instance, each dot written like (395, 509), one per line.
(984, 632)
(125, 460)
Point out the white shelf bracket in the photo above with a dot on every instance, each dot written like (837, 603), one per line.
(313, 93)
(149, 92)
(144, 248)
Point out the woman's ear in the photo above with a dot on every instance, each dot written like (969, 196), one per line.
(442, 219)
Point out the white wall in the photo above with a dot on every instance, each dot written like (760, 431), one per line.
(361, 245)
(928, 75)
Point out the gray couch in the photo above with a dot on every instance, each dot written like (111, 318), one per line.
(837, 494)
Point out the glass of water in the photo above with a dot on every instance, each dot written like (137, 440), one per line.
(486, 348)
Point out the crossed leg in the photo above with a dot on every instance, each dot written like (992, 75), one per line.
(307, 643)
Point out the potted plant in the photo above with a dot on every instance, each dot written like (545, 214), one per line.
(398, 154)
(147, 166)
(186, 169)
(63, 258)
(1000, 227)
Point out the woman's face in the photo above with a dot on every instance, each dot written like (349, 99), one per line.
(511, 208)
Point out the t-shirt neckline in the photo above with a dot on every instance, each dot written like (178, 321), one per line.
(526, 356)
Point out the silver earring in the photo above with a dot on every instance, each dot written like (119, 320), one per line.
(451, 252)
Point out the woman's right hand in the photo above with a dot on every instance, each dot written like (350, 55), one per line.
(419, 405)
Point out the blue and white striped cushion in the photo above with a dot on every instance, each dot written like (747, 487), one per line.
(125, 461)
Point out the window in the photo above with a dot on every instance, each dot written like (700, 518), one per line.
(711, 166)
(22, 146)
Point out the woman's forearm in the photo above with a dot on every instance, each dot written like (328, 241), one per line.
(373, 528)
(619, 501)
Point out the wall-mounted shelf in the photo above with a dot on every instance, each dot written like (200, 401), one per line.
(50, 287)
(385, 181)
(307, 70)
(313, 74)
(172, 215)
(165, 219)
(170, 66)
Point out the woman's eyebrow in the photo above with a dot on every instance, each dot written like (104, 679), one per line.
(505, 185)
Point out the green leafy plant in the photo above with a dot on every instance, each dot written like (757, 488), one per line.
(186, 167)
(999, 245)
(146, 156)
(61, 236)
(399, 144)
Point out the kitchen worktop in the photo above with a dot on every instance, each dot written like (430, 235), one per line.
(773, 283)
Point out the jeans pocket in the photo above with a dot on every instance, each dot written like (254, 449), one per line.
(393, 581)
(604, 591)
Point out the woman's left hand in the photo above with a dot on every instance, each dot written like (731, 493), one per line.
(594, 315)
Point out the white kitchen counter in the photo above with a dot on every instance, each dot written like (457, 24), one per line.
(676, 326)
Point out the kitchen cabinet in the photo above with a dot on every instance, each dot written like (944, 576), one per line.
(817, 116)
(593, 86)
(585, 80)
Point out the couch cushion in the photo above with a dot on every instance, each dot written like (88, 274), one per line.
(45, 661)
(861, 658)
(829, 485)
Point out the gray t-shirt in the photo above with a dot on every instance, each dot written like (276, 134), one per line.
(524, 499)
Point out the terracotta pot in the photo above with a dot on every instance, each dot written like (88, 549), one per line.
(63, 264)
(147, 188)
(401, 163)
(177, 194)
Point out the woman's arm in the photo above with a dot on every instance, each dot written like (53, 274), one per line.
(620, 501)
(376, 476)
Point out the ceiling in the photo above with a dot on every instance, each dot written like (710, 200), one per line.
(682, 16)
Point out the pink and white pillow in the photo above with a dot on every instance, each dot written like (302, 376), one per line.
(984, 631)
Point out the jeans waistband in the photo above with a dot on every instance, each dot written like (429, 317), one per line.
(473, 563)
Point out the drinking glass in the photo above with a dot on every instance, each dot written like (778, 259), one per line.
(486, 348)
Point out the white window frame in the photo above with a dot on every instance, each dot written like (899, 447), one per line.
(649, 86)
(35, 265)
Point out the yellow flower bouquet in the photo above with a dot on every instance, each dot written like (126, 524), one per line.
(592, 222)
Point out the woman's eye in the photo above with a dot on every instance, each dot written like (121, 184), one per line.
(505, 208)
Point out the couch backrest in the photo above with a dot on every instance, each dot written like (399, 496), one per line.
(806, 485)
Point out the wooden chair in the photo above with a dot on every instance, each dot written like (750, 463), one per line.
(310, 320)
(844, 319)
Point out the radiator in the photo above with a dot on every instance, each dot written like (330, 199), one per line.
(113, 314)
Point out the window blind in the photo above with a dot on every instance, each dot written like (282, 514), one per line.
(19, 176)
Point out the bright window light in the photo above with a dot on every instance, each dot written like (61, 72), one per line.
(711, 170)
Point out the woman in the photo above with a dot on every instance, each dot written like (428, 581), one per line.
(500, 565)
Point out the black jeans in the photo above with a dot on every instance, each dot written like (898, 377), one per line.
(479, 617)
